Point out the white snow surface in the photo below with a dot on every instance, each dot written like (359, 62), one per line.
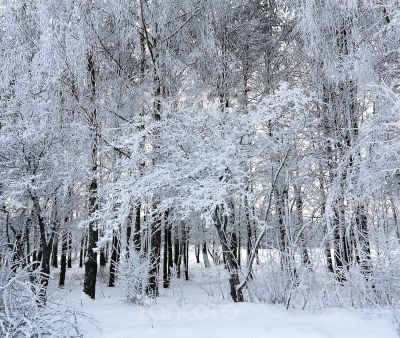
(189, 309)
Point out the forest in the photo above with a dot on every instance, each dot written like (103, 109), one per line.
(241, 154)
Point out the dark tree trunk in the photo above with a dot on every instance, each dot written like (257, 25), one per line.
(45, 269)
(91, 263)
(205, 256)
(255, 237)
(299, 210)
(27, 238)
(107, 252)
(239, 254)
(280, 195)
(155, 243)
(165, 259)
(115, 252)
(45, 248)
(257, 257)
(34, 259)
(63, 262)
(221, 222)
(17, 253)
(249, 237)
(197, 253)
(327, 244)
(234, 245)
(91, 260)
(338, 253)
(329, 260)
(82, 251)
(177, 254)
(39, 257)
(179, 264)
(136, 235)
(129, 231)
(54, 254)
(170, 255)
(103, 260)
(69, 262)
(364, 249)
(185, 252)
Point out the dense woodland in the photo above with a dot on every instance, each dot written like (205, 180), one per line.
(259, 135)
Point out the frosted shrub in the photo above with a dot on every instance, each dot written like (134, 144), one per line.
(22, 314)
(270, 284)
(132, 274)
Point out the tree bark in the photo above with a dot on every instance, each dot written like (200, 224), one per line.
(63, 262)
(155, 244)
(197, 253)
(185, 252)
(91, 259)
(221, 222)
(165, 258)
(45, 248)
(115, 253)
(54, 253)
(69, 260)
(177, 253)
(82, 250)
(136, 235)
(364, 249)
(205, 256)
(103, 260)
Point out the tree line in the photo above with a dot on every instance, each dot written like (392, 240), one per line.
(260, 134)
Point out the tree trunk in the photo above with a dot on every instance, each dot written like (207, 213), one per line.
(220, 224)
(170, 256)
(91, 262)
(155, 244)
(177, 253)
(205, 256)
(165, 259)
(136, 235)
(27, 237)
(82, 250)
(338, 254)
(129, 230)
(185, 252)
(91, 259)
(115, 253)
(364, 249)
(54, 253)
(299, 215)
(197, 252)
(63, 262)
(239, 252)
(45, 248)
(103, 260)
(69, 261)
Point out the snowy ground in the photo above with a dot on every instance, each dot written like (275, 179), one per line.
(191, 310)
